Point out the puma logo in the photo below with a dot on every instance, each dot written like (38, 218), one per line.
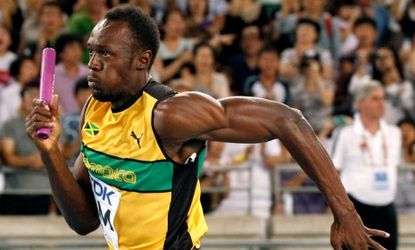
(136, 138)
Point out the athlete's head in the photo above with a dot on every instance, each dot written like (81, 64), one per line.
(122, 48)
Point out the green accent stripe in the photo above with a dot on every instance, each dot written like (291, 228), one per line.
(129, 174)
(200, 162)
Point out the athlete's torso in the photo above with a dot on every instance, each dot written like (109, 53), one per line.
(144, 199)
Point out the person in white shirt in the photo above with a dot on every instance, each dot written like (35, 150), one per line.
(367, 154)
(251, 188)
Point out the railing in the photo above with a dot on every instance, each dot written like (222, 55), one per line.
(279, 189)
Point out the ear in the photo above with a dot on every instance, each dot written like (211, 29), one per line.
(142, 60)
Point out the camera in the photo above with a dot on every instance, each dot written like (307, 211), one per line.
(308, 56)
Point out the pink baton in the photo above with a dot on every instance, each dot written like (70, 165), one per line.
(47, 78)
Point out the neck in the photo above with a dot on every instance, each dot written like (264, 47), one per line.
(370, 124)
(130, 97)
(267, 79)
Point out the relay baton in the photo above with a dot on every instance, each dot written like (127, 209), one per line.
(47, 78)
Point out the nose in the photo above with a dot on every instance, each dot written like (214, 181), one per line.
(94, 63)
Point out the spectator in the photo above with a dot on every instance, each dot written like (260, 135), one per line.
(405, 199)
(346, 14)
(6, 56)
(205, 78)
(329, 35)
(307, 33)
(51, 25)
(267, 84)
(311, 92)
(69, 49)
(11, 18)
(255, 197)
(70, 138)
(216, 10)
(23, 158)
(388, 69)
(175, 50)
(367, 154)
(342, 104)
(22, 70)
(245, 64)
(365, 30)
(198, 21)
(211, 178)
(82, 21)
(380, 15)
(30, 28)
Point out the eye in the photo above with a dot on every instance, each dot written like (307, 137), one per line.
(90, 51)
(106, 53)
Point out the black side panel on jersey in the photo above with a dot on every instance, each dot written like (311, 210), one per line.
(184, 185)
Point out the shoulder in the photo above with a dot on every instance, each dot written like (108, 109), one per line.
(188, 114)
(190, 100)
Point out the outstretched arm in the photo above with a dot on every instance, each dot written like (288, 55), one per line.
(241, 119)
(72, 191)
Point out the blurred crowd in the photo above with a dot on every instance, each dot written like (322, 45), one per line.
(309, 54)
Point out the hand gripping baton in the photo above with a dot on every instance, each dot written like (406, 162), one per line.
(47, 78)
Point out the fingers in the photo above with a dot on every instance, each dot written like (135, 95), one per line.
(377, 233)
(54, 104)
(40, 117)
(375, 245)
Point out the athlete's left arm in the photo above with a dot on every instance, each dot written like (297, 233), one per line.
(242, 119)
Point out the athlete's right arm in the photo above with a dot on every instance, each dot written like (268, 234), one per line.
(72, 191)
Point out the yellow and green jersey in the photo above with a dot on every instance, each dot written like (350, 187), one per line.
(145, 200)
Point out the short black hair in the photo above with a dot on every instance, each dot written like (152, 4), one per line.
(65, 39)
(31, 84)
(81, 84)
(269, 48)
(312, 23)
(51, 3)
(16, 66)
(364, 20)
(406, 120)
(143, 28)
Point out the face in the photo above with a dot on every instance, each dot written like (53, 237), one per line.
(384, 60)
(175, 25)
(306, 33)
(51, 18)
(204, 58)
(366, 34)
(408, 133)
(111, 65)
(251, 42)
(373, 106)
(72, 53)
(269, 63)
(28, 71)
(5, 40)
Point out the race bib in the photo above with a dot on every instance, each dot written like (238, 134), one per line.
(381, 180)
(107, 199)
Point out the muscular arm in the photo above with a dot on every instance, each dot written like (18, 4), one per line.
(72, 191)
(253, 120)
